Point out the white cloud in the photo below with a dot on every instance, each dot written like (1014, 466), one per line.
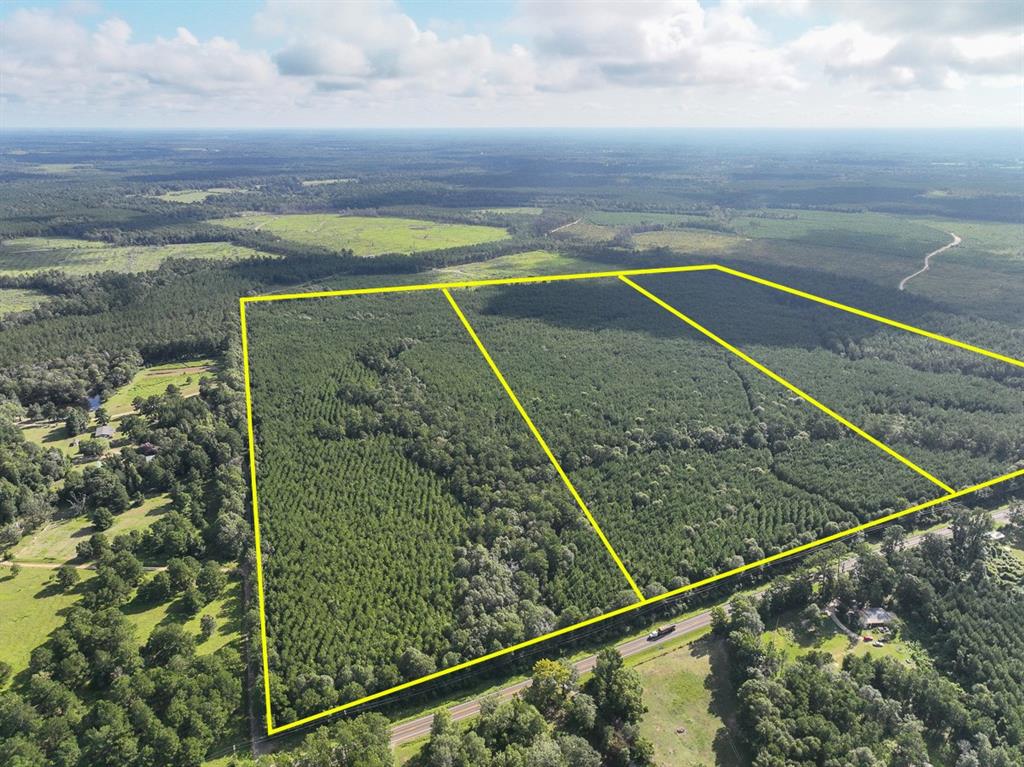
(641, 62)
(848, 50)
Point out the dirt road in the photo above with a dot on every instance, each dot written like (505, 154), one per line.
(928, 260)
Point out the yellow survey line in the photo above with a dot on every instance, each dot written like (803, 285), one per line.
(870, 316)
(779, 379)
(653, 600)
(479, 283)
(255, 516)
(540, 441)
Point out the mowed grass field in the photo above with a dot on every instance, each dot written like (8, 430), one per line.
(366, 235)
(55, 542)
(27, 255)
(33, 607)
(156, 379)
(686, 720)
(19, 300)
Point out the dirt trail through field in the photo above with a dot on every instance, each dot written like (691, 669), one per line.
(928, 260)
(565, 226)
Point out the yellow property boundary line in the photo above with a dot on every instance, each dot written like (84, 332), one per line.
(621, 274)
(540, 440)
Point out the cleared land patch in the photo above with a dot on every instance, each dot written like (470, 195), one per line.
(194, 195)
(366, 235)
(55, 541)
(27, 255)
(19, 300)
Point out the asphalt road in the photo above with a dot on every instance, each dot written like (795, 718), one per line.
(417, 728)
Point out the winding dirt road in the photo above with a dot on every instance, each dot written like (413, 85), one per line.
(928, 260)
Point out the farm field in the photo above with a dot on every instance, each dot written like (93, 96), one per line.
(366, 235)
(687, 240)
(28, 255)
(19, 299)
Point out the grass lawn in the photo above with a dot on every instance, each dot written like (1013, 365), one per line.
(686, 717)
(55, 542)
(32, 609)
(26, 255)
(156, 379)
(19, 299)
(366, 235)
(226, 609)
(787, 633)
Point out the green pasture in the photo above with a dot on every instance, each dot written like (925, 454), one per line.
(19, 300)
(28, 255)
(366, 235)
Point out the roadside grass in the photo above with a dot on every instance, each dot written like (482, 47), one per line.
(55, 541)
(28, 255)
(366, 235)
(19, 299)
(406, 751)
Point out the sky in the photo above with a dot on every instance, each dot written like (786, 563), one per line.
(668, 63)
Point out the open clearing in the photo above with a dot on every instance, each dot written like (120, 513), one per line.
(155, 380)
(685, 713)
(34, 608)
(19, 300)
(193, 195)
(55, 541)
(146, 383)
(27, 255)
(366, 235)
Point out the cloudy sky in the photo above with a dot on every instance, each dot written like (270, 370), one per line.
(292, 63)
